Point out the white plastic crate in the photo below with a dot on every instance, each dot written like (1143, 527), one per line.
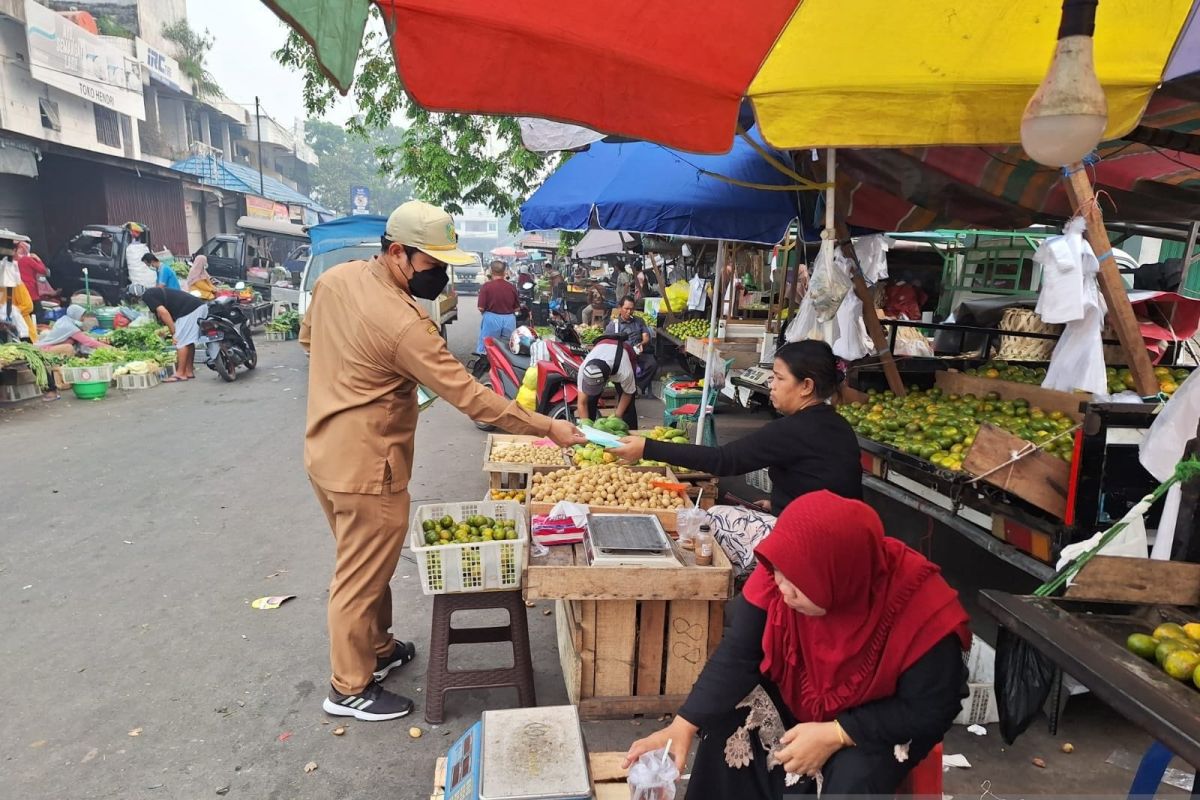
(979, 707)
(475, 567)
(132, 381)
(101, 372)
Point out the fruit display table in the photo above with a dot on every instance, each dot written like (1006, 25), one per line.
(1085, 634)
(631, 640)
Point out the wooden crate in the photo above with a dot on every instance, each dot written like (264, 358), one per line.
(629, 644)
(504, 467)
(665, 516)
(1039, 478)
(744, 352)
(953, 382)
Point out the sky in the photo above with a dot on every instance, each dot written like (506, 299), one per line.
(246, 34)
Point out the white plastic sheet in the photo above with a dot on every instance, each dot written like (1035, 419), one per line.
(872, 256)
(853, 341)
(1162, 449)
(546, 136)
(1070, 294)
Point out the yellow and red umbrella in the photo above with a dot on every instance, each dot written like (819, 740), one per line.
(864, 73)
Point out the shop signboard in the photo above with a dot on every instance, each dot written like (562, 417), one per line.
(163, 69)
(262, 208)
(360, 200)
(67, 57)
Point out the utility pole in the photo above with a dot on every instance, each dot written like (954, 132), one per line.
(258, 132)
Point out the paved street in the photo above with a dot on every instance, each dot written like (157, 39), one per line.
(136, 531)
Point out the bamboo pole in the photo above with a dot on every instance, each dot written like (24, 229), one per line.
(1120, 311)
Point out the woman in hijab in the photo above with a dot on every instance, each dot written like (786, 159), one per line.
(198, 279)
(842, 669)
(67, 335)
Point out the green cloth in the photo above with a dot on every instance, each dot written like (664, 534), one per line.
(333, 27)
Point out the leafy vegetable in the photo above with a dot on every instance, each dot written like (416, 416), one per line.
(287, 322)
(31, 355)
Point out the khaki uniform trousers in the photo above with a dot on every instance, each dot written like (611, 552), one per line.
(369, 531)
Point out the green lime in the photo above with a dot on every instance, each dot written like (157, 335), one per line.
(1142, 645)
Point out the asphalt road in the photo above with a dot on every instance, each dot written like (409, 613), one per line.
(137, 530)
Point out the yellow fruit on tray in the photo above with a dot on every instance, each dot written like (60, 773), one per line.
(1165, 648)
(1192, 629)
(1196, 678)
(1181, 664)
(1170, 630)
(1142, 645)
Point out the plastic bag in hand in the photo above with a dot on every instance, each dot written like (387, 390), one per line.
(653, 777)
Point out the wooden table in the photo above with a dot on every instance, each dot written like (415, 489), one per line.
(631, 640)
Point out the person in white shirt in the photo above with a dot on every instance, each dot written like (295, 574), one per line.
(609, 361)
(139, 273)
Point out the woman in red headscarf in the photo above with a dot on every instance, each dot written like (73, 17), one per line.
(843, 666)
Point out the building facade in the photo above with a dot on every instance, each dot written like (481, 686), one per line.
(95, 112)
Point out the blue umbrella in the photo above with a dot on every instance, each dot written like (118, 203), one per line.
(646, 188)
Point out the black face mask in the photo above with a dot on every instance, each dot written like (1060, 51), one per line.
(428, 284)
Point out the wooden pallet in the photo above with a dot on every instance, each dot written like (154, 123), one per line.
(629, 644)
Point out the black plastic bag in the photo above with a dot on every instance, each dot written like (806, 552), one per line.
(1023, 680)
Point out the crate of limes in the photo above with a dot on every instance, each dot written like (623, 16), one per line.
(1174, 647)
(470, 547)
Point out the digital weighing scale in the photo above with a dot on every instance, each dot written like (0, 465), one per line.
(756, 375)
(628, 540)
(520, 754)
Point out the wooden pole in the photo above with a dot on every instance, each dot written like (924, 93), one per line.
(1120, 312)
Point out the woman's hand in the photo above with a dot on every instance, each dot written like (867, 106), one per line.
(680, 733)
(631, 449)
(808, 746)
(765, 505)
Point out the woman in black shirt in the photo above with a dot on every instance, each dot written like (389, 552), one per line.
(809, 448)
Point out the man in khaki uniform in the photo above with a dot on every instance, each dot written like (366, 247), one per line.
(370, 345)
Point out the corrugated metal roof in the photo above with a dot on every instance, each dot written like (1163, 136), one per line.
(243, 178)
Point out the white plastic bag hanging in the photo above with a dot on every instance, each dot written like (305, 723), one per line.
(1163, 448)
(872, 256)
(853, 342)
(1078, 359)
(697, 294)
(1065, 265)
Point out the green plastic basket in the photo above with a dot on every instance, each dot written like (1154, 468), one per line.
(92, 390)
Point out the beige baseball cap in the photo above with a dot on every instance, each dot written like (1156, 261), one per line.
(430, 230)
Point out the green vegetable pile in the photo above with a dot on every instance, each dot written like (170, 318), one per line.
(588, 334)
(544, 331)
(31, 355)
(140, 343)
(287, 322)
(180, 268)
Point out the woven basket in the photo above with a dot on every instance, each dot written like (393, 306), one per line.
(1020, 348)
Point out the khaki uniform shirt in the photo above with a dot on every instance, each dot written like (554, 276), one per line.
(370, 344)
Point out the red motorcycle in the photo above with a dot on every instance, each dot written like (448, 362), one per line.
(502, 371)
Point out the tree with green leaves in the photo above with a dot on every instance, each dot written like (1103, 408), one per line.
(348, 158)
(191, 51)
(451, 160)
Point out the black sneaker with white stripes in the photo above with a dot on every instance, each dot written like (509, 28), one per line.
(373, 704)
(402, 653)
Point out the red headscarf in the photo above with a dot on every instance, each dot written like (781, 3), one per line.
(886, 606)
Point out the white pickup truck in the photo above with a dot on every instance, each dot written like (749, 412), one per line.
(443, 310)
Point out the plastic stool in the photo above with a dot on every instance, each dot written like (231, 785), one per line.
(925, 779)
(440, 679)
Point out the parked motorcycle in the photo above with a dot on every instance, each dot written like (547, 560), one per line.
(225, 335)
(503, 372)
